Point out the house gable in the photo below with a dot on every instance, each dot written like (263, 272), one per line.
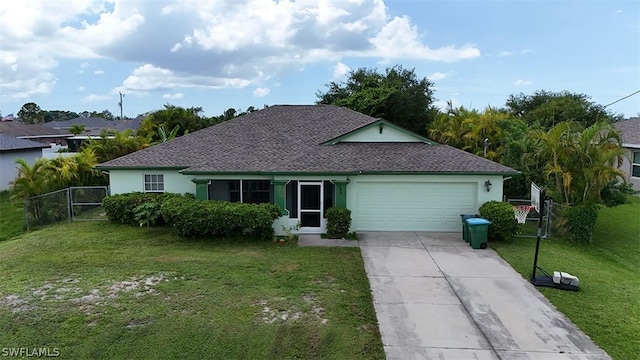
(380, 131)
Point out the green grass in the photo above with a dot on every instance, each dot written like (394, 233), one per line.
(99, 290)
(607, 305)
(11, 217)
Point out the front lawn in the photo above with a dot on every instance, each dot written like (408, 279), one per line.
(607, 305)
(99, 290)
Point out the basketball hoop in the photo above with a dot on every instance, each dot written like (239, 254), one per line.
(521, 212)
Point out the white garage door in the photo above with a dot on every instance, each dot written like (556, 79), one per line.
(384, 206)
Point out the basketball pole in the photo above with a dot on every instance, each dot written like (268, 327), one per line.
(535, 257)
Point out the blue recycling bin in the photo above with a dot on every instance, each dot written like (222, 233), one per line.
(478, 232)
(465, 228)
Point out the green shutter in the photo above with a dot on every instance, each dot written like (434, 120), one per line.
(279, 191)
(340, 193)
(202, 191)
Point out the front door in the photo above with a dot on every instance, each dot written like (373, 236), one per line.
(310, 200)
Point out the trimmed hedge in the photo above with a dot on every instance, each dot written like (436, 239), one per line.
(121, 208)
(580, 222)
(220, 219)
(503, 222)
(338, 222)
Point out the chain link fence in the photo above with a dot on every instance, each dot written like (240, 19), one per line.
(83, 203)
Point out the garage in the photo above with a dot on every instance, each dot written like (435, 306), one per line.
(413, 206)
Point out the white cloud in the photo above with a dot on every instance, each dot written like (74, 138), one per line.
(521, 82)
(95, 98)
(505, 53)
(443, 105)
(149, 77)
(527, 51)
(81, 88)
(260, 92)
(619, 11)
(339, 71)
(209, 44)
(398, 39)
(99, 72)
(440, 75)
(173, 96)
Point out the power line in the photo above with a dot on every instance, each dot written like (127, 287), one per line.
(630, 95)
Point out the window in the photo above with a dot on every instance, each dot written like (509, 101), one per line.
(246, 191)
(635, 164)
(153, 183)
(256, 191)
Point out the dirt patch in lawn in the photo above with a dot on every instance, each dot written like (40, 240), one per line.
(69, 292)
(279, 310)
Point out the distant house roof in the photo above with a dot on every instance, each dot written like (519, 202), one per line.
(291, 139)
(8, 142)
(94, 125)
(630, 130)
(21, 130)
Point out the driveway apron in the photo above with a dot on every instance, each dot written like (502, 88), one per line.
(436, 298)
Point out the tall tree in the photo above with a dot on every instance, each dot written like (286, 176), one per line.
(188, 120)
(397, 95)
(58, 115)
(30, 113)
(579, 162)
(479, 133)
(550, 108)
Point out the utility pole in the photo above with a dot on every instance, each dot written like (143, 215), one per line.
(120, 103)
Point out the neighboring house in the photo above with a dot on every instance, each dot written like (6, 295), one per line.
(309, 158)
(93, 127)
(11, 149)
(630, 130)
(35, 132)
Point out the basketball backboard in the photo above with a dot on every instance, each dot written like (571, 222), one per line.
(535, 196)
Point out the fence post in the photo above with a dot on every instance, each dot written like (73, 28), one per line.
(69, 205)
(549, 217)
(26, 213)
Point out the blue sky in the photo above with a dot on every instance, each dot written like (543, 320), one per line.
(78, 54)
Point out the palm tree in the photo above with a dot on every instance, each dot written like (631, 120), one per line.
(32, 180)
(76, 129)
(579, 161)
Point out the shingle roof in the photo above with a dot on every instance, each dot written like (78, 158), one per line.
(289, 138)
(630, 130)
(29, 130)
(8, 142)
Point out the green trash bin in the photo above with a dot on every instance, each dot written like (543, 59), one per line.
(465, 227)
(478, 232)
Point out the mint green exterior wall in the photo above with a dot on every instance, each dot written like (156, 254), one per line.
(372, 134)
(124, 181)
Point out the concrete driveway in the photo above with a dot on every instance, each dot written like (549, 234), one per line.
(436, 298)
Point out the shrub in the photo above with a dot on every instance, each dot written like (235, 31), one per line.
(503, 222)
(273, 209)
(614, 193)
(219, 219)
(580, 221)
(147, 213)
(121, 208)
(338, 222)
